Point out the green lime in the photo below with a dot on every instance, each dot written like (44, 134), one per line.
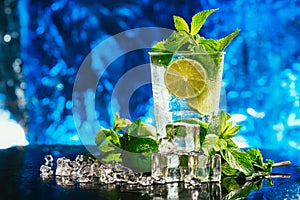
(142, 145)
(137, 154)
(185, 78)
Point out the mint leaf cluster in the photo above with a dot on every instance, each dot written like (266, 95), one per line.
(236, 161)
(124, 135)
(187, 38)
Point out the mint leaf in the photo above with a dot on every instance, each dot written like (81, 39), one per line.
(258, 162)
(255, 156)
(231, 132)
(221, 145)
(107, 147)
(231, 143)
(229, 171)
(158, 47)
(176, 41)
(110, 135)
(209, 143)
(217, 45)
(224, 42)
(229, 183)
(121, 123)
(100, 136)
(180, 24)
(241, 192)
(228, 129)
(199, 19)
(113, 157)
(109, 151)
(238, 159)
(141, 130)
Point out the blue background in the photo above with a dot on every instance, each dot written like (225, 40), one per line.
(260, 78)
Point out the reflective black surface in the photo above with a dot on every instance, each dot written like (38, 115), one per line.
(20, 179)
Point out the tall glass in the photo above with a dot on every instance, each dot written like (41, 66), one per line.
(203, 105)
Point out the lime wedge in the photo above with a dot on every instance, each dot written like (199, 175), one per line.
(185, 78)
(208, 101)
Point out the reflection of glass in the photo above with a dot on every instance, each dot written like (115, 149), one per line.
(194, 98)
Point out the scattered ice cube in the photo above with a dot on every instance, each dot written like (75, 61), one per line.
(48, 159)
(46, 170)
(193, 168)
(79, 158)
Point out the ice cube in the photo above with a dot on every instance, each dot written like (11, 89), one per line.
(158, 166)
(216, 168)
(183, 165)
(173, 170)
(186, 136)
(166, 146)
(48, 160)
(199, 166)
(46, 170)
(165, 167)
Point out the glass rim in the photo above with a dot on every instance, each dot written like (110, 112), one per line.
(185, 52)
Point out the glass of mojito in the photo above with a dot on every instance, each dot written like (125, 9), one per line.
(186, 87)
(186, 72)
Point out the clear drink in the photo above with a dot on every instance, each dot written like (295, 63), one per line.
(175, 99)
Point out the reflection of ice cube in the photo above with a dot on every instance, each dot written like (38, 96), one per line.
(186, 136)
(216, 190)
(204, 191)
(173, 192)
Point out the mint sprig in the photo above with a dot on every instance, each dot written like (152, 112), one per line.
(187, 38)
(112, 141)
(236, 161)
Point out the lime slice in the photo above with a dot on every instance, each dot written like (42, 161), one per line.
(208, 101)
(185, 78)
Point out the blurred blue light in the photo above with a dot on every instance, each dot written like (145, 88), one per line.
(261, 70)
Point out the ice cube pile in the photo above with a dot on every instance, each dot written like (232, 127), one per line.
(180, 157)
(91, 174)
